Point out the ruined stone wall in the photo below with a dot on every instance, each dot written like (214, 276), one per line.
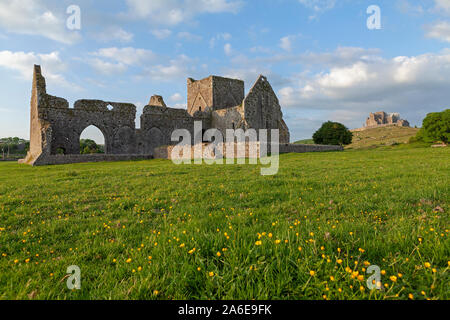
(117, 125)
(304, 148)
(199, 95)
(231, 118)
(56, 127)
(263, 111)
(83, 158)
(230, 150)
(227, 93)
(158, 124)
(213, 93)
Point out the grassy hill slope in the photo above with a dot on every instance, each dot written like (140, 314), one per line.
(306, 141)
(383, 136)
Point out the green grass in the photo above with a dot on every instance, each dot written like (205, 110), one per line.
(364, 207)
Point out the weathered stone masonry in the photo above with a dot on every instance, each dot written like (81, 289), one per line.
(215, 101)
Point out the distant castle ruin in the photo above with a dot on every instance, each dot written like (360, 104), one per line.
(383, 119)
(216, 102)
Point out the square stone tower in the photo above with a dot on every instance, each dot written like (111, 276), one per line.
(214, 93)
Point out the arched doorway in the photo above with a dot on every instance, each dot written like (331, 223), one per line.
(92, 141)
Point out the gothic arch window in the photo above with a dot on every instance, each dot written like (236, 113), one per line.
(92, 140)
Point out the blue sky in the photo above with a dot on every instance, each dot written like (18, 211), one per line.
(320, 57)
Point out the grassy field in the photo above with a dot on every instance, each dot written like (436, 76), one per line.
(383, 136)
(153, 230)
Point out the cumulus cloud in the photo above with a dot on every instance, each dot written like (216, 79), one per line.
(286, 42)
(405, 6)
(176, 97)
(442, 6)
(439, 30)
(22, 63)
(410, 85)
(340, 57)
(175, 69)
(228, 49)
(32, 17)
(174, 12)
(106, 67)
(187, 36)
(114, 33)
(110, 61)
(318, 5)
(128, 55)
(219, 37)
(161, 33)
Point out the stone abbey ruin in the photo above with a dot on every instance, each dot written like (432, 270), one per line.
(216, 102)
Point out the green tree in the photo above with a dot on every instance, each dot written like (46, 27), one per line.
(13, 145)
(435, 127)
(88, 146)
(333, 133)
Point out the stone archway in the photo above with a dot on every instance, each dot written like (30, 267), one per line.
(100, 133)
(94, 141)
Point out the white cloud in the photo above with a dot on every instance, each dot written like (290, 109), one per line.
(318, 5)
(261, 49)
(342, 56)
(409, 85)
(442, 5)
(189, 36)
(286, 43)
(179, 106)
(106, 67)
(161, 33)
(439, 30)
(406, 7)
(127, 56)
(173, 12)
(174, 70)
(176, 97)
(115, 33)
(31, 17)
(110, 61)
(228, 49)
(219, 37)
(22, 63)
